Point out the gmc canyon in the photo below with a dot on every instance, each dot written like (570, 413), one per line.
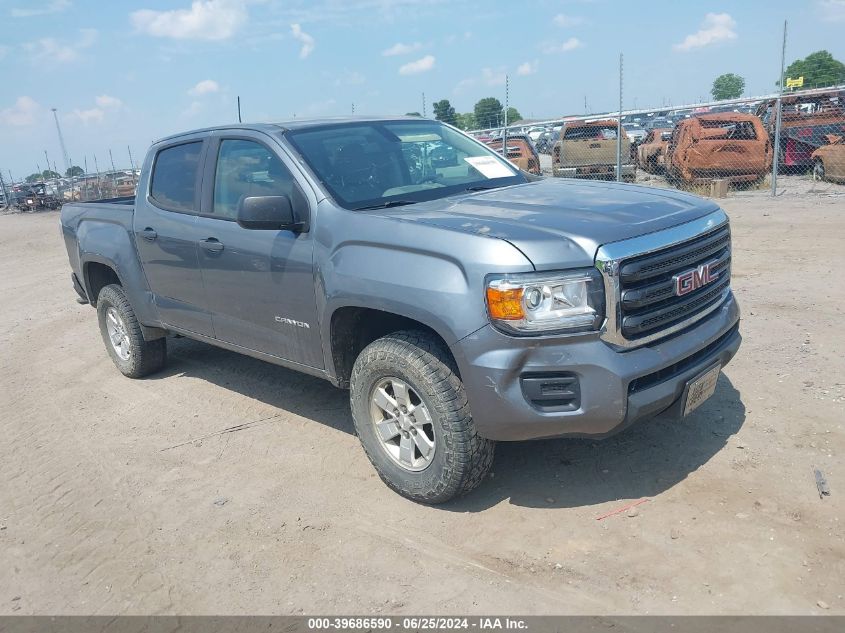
(459, 300)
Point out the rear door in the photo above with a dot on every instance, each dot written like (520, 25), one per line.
(166, 234)
(259, 283)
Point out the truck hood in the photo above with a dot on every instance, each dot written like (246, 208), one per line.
(559, 223)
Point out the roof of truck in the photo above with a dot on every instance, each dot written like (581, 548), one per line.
(293, 124)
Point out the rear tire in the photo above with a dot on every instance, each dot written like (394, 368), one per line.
(447, 457)
(131, 354)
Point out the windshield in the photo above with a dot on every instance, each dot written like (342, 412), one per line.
(383, 163)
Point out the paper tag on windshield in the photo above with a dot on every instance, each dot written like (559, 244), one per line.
(489, 167)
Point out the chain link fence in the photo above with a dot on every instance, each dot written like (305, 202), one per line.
(716, 148)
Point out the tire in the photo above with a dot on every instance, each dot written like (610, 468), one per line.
(461, 458)
(133, 356)
(818, 170)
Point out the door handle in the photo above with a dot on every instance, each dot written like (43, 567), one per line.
(212, 245)
(149, 234)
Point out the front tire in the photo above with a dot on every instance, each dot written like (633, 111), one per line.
(818, 170)
(131, 354)
(412, 417)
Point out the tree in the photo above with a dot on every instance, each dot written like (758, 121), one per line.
(34, 178)
(49, 174)
(413, 114)
(818, 69)
(727, 86)
(488, 112)
(74, 171)
(466, 121)
(443, 111)
(513, 116)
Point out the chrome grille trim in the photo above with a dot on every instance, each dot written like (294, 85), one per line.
(610, 260)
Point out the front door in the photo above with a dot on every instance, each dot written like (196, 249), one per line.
(165, 227)
(259, 283)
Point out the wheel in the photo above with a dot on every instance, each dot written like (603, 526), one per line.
(412, 417)
(121, 332)
(818, 170)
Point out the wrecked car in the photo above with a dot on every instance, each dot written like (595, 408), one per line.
(651, 153)
(806, 120)
(521, 152)
(730, 146)
(587, 149)
(829, 160)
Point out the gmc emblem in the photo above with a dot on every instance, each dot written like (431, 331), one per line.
(694, 279)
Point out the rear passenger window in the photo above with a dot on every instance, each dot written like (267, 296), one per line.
(175, 176)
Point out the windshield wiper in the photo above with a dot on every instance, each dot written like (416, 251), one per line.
(386, 205)
(482, 187)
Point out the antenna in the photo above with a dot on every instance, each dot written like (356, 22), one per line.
(61, 139)
(239, 109)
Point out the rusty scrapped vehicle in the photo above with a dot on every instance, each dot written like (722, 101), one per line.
(829, 160)
(587, 149)
(731, 146)
(805, 122)
(651, 153)
(521, 152)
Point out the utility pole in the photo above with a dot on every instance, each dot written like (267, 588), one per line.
(505, 127)
(776, 148)
(99, 186)
(423, 102)
(619, 128)
(61, 139)
(113, 179)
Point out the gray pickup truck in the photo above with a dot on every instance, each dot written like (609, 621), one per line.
(459, 300)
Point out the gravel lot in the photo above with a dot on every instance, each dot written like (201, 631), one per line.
(226, 485)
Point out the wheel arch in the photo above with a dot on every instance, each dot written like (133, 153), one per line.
(351, 328)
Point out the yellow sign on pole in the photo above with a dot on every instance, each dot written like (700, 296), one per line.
(795, 83)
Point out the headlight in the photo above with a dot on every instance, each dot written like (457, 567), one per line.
(543, 303)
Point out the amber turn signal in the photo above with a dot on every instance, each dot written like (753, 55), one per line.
(505, 304)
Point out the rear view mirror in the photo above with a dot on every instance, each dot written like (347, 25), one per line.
(268, 213)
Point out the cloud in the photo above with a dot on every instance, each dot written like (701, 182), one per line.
(192, 110)
(569, 45)
(350, 79)
(106, 101)
(56, 6)
(51, 50)
(528, 68)
(303, 38)
(204, 87)
(717, 27)
(205, 20)
(832, 10)
(87, 116)
(104, 104)
(566, 21)
(422, 65)
(493, 77)
(401, 49)
(23, 112)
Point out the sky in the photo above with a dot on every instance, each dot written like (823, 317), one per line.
(122, 74)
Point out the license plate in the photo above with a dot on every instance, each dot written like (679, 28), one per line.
(700, 388)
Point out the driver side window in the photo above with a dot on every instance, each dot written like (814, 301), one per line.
(246, 169)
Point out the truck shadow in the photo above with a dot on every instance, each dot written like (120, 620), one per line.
(285, 389)
(642, 461)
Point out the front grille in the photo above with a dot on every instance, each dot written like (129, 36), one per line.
(647, 299)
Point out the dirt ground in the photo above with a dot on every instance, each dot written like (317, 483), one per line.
(121, 496)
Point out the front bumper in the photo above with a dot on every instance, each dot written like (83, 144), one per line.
(594, 171)
(615, 388)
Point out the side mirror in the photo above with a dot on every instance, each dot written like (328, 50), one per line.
(268, 213)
